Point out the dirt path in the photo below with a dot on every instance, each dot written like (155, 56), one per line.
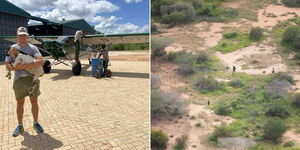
(290, 135)
(198, 136)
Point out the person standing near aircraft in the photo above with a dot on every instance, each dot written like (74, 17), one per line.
(24, 80)
(104, 52)
(76, 68)
(77, 40)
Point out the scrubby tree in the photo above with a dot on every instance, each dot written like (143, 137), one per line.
(159, 139)
(291, 37)
(158, 46)
(256, 33)
(273, 129)
(292, 3)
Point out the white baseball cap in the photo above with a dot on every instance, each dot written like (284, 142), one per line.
(22, 30)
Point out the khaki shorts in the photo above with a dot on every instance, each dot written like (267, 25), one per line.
(24, 86)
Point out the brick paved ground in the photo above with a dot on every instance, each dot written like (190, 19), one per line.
(81, 112)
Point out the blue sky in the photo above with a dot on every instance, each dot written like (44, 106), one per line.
(108, 16)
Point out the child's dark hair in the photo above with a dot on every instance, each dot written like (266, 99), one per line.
(102, 46)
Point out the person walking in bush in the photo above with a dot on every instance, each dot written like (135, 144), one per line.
(233, 70)
(273, 70)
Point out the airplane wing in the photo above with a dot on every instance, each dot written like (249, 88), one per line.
(15, 40)
(89, 39)
(116, 38)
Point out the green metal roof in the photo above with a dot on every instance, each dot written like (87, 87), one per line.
(7, 7)
(78, 24)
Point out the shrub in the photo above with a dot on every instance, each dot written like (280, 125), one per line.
(290, 34)
(177, 13)
(236, 83)
(159, 139)
(276, 110)
(198, 125)
(223, 109)
(222, 132)
(256, 33)
(154, 28)
(173, 18)
(297, 100)
(291, 37)
(277, 88)
(181, 142)
(289, 144)
(284, 76)
(208, 84)
(230, 35)
(273, 129)
(213, 138)
(292, 3)
(155, 81)
(158, 46)
(163, 106)
(188, 62)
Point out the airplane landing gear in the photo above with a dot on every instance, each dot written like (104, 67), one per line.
(76, 68)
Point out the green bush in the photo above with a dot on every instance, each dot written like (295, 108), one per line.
(290, 34)
(277, 110)
(223, 109)
(296, 100)
(289, 144)
(222, 132)
(236, 83)
(198, 125)
(173, 18)
(158, 46)
(292, 3)
(177, 13)
(154, 28)
(230, 35)
(291, 37)
(181, 142)
(164, 107)
(213, 138)
(256, 33)
(208, 84)
(159, 139)
(188, 62)
(277, 88)
(273, 129)
(284, 76)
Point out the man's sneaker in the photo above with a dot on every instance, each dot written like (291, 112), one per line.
(18, 130)
(38, 128)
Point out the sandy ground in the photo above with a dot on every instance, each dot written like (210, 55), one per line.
(290, 135)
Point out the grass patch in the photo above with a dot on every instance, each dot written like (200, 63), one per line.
(252, 107)
(227, 45)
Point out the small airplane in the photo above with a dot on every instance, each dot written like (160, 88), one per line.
(62, 48)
